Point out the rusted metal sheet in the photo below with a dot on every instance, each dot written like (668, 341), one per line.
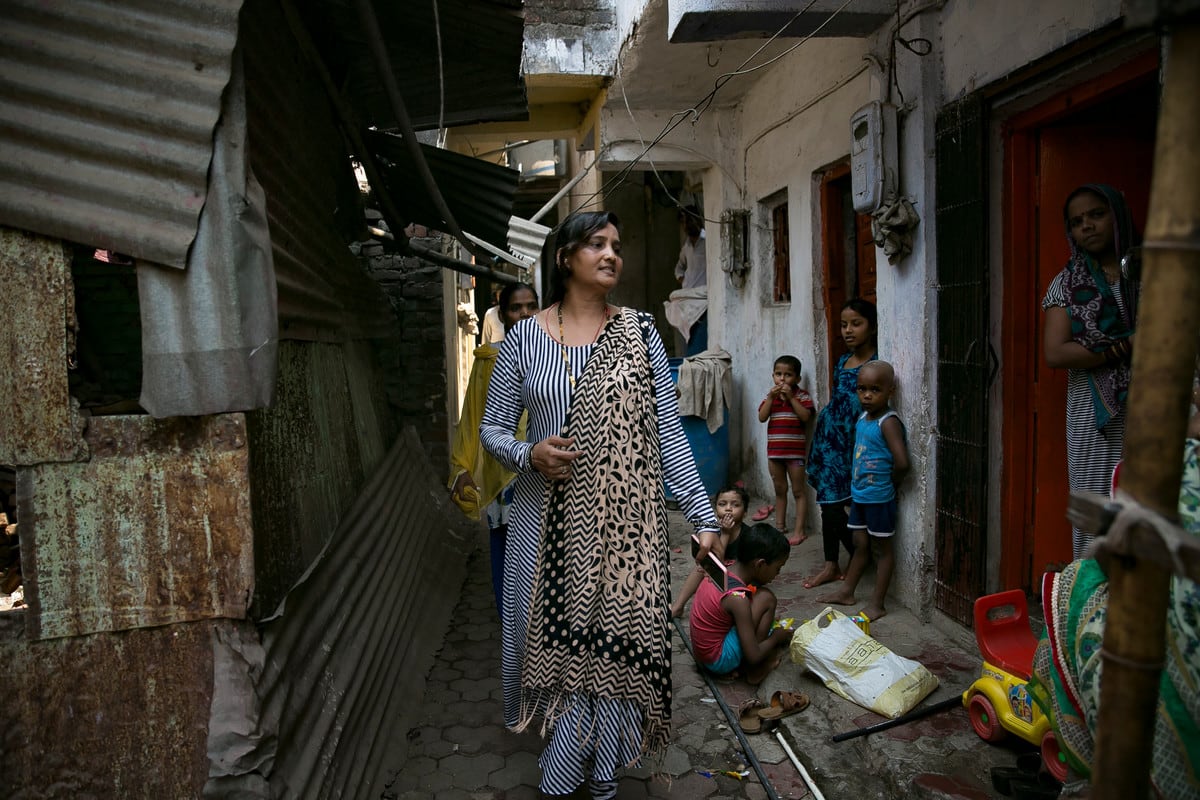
(108, 113)
(116, 715)
(154, 529)
(351, 645)
(38, 420)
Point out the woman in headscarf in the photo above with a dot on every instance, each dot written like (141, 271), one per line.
(476, 480)
(585, 630)
(1091, 310)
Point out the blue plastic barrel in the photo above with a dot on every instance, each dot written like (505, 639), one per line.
(710, 450)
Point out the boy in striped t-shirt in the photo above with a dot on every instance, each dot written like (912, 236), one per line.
(787, 409)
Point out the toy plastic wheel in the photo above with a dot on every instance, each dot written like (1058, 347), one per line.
(1052, 757)
(984, 719)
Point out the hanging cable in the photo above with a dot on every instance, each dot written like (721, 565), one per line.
(694, 112)
(437, 29)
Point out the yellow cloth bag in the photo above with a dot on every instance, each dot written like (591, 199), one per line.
(467, 453)
(858, 667)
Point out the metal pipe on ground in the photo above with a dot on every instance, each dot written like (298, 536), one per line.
(733, 723)
(912, 716)
(1163, 366)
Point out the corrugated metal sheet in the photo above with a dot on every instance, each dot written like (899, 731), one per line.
(154, 529)
(37, 305)
(106, 117)
(478, 193)
(352, 643)
(307, 462)
(117, 715)
(299, 157)
(480, 59)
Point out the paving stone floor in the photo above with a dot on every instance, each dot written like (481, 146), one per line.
(460, 749)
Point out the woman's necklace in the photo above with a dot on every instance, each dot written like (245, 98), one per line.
(562, 340)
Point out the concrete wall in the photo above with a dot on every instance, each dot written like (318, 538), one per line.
(788, 126)
(982, 41)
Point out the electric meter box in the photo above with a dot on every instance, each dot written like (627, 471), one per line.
(873, 155)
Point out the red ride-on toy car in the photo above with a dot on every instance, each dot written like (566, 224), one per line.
(999, 703)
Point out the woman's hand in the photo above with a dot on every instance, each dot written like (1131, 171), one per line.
(1062, 351)
(465, 489)
(709, 541)
(552, 457)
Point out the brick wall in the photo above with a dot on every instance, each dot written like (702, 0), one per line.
(576, 13)
(414, 363)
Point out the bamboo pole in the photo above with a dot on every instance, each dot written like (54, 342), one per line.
(1163, 364)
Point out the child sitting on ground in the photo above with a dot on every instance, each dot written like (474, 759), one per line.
(733, 630)
(880, 462)
(730, 508)
(787, 410)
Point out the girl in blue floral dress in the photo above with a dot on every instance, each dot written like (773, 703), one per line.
(832, 446)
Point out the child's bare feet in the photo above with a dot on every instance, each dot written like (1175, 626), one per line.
(873, 613)
(799, 538)
(827, 575)
(758, 673)
(842, 598)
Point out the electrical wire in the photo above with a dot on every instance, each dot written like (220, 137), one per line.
(437, 29)
(699, 108)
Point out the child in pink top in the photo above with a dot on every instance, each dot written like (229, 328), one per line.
(787, 410)
(733, 630)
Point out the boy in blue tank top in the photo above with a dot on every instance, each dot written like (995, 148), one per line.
(880, 462)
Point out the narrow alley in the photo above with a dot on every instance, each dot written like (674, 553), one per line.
(460, 749)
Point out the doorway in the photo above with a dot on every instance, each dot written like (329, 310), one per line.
(849, 254)
(1098, 132)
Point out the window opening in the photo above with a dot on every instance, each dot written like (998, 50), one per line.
(12, 589)
(107, 374)
(782, 284)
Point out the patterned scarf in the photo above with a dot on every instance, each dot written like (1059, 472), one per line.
(1097, 319)
(598, 620)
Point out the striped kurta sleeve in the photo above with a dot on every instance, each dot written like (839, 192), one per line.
(679, 467)
(505, 402)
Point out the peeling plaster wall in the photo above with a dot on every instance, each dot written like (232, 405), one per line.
(777, 146)
(569, 38)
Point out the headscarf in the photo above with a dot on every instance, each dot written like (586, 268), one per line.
(1097, 320)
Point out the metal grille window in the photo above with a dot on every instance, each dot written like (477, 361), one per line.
(782, 287)
(965, 358)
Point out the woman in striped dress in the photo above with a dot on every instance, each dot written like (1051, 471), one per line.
(1091, 308)
(585, 632)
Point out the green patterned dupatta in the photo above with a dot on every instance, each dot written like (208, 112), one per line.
(1068, 662)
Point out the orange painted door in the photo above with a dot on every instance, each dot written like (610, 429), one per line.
(1112, 143)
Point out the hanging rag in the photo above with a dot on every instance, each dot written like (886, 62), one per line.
(684, 307)
(705, 384)
(892, 227)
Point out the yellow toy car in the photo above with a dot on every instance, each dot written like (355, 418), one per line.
(998, 702)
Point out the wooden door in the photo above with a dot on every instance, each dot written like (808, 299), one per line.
(849, 249)
(1100, 133)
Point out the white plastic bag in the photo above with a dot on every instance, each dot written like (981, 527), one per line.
(858, 667)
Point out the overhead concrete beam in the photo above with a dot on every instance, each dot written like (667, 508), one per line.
(720, 20)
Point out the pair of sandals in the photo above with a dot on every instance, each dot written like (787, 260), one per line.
(756, 717)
